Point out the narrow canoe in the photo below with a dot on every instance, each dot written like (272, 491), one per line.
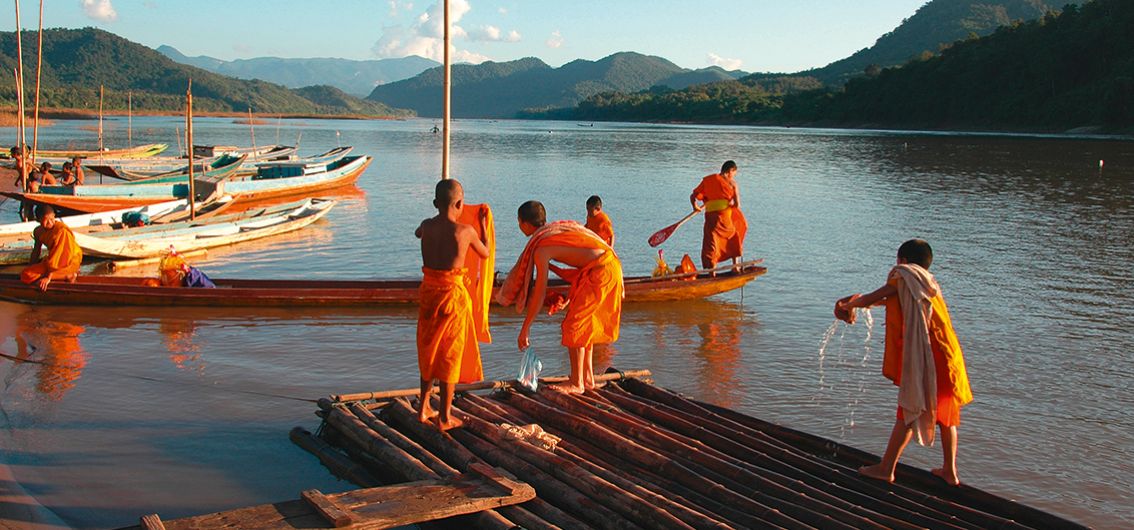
(141, 151)
(129, 291)
(79, 222)
(141, 169)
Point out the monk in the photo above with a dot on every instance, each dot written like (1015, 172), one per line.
(77, 167)
(594, 301)
(63, 254)
(922, 357)
(597, 220)
(447, 348)
(725, 225)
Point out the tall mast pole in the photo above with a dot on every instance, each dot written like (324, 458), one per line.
(100, 145)
(447, 108)
(21, 135)
(189, 142)
(129, 118)
(38, 69)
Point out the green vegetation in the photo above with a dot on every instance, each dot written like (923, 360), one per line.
(76, 62)
(1055, 73)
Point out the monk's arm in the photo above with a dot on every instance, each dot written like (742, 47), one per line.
(736, 196)
(480, 245)
(693, 198)
(36, 248)
(872, 298)
(535, 300)
(417, 233)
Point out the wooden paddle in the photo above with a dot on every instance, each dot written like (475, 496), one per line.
(660, 236)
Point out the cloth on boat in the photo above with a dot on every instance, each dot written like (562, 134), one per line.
(136, 219)
(601, 225)
(594, 301)
(531, 433)
(922, 355)
(480, 270)
(176, 272)
(447, 348)
(725, 225)
(64, 256)
(687, 266)
(195, 278)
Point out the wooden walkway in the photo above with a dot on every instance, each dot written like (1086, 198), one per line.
(633, 455)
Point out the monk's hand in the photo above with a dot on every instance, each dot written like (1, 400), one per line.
(843, 310)
(698, 207)
(43, 282)
(483, 217)
(523, 342)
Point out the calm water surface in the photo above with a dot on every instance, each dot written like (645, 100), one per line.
(187, 411)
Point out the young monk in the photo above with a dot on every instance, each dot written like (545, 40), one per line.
(922, 357)
(725, 225)
(447, 348)
(594, 308)
(63, 255)
(77, 168)
(47, 178)
(597, 220)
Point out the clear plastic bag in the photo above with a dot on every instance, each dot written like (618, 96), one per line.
(530, 367)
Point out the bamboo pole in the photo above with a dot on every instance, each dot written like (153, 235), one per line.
(252, 128)
(189, 147)
(447, 108)
(483, 385)
(21, 135)
(100, 139)
(38, 70)
(129, 117)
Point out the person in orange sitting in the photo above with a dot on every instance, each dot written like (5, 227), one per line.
(922, 357)
(447, 348)
(594, 301)
(597, 220)
(725, 225)
(63, 254)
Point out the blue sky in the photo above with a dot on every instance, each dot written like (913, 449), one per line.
(752, 35)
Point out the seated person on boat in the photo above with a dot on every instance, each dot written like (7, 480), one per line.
(63, 254)
(176, 272)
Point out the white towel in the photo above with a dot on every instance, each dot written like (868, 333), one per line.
(917, 395)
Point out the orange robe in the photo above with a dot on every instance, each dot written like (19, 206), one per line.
(63, 255)
(447, 348)
(481, 270)
(953, 390)
(725, 225)
(601, 225)
(594, 305)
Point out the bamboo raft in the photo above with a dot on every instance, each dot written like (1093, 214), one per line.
(633, 455)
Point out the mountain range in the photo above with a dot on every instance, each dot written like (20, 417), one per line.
(357, 78)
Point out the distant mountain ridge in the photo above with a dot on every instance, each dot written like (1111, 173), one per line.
(504, 89)
(77, 61)
(357, 78)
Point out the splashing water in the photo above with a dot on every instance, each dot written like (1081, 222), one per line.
(851, 380)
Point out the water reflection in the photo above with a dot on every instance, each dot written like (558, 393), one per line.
(178, 336)
(54, 346)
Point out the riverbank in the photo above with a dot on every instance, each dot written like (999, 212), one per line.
(8, 116)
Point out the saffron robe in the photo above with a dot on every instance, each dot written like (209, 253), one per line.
(479, 279)
(447, 348)
(601, 225)
(725, 225)
(63, 255)
(594, 301)
(949, 377)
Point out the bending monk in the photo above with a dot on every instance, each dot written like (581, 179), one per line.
(594, 302)
(922, 357)
(63, 254)
(597, 220)
(447, 349)
(725, 225)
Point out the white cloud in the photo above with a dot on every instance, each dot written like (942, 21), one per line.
(493, 34)
(426, 36)
(502, 11)
(555, 40)
(101, 10)
(724, 62)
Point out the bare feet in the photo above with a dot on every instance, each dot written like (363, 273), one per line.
(569, 389)
(72, 278)
(426, 415)
(950, 478)
(877, 472)
(452, 423)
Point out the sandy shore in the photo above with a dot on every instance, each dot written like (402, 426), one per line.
(18, 510)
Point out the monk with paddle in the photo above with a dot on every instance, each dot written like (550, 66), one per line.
(725, 226)
(594, 302)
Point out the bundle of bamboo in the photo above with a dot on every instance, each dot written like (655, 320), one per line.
(633, 455)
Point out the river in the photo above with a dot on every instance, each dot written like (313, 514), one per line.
(187, 411)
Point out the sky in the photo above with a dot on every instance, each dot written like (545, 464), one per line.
(750, 35)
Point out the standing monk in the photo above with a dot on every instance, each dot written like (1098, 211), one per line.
(77, 167)
(594, 308)
(725, 226)
(63, 254)
(597, 220)
(447, 349)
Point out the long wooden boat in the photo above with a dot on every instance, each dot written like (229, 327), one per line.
(148, 168)
(119, 291)
(141, 151)
(222, 166)
(101, 219)
(188, 236)
(273, 182)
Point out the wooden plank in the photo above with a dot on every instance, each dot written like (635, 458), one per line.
(497, 477)
(152, 522)
(329, 509)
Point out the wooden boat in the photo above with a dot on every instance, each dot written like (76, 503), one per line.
(119, 291)
(629, 454)
(220, 167)
(188, 236)
(141, 151)
(276, 180)
(144, 169)
(93, 220)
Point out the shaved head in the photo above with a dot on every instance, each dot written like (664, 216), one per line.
(447, 193)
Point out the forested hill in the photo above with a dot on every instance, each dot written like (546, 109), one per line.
(356, 78)
(1065, 71)
(936, 24)
(502, 90)
(77, 61)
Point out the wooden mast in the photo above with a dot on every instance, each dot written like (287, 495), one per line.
(252, 128)
(21, 134)
(38, 69)
(189, 142)
(447, 112)
(129, 117)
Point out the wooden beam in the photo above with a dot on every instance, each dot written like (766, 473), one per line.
(329, 509)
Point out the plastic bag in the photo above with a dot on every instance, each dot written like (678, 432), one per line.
(530, 367)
